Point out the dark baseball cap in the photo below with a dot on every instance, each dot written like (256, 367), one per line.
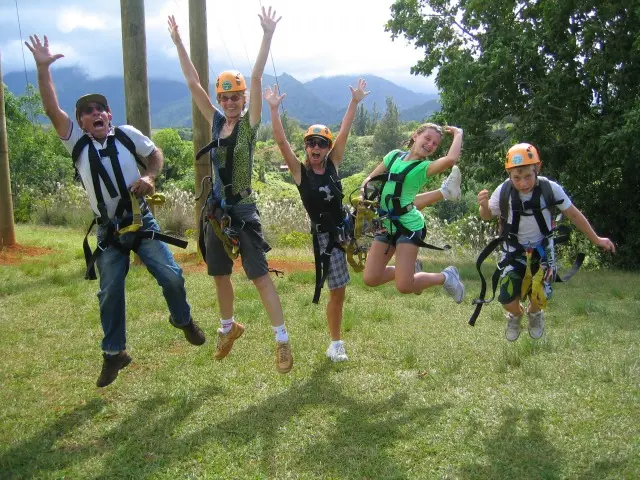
(85, 100)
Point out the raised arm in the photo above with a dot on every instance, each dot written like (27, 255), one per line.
(268, 23)
(450, 159)
(357, 94)
(272, 98)
(199, 95)
(44, 58)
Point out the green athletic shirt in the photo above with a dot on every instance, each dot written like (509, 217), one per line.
(417, 178)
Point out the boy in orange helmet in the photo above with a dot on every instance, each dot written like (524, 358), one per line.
(528, 228)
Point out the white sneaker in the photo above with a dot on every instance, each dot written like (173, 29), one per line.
(514, 327)
(336, 352)
(452, 284)
(536, 324)
(451, 185)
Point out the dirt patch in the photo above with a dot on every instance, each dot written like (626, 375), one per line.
(18, 253)
(192, 262)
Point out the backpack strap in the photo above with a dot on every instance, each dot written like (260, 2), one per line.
(124, 139)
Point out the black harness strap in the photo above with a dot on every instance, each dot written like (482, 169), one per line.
(508, 236)
(397, 210)
(322, 259)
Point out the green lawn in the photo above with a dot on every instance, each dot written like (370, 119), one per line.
(423, 395)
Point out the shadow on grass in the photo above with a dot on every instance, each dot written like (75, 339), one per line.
(517, 450)
(34, 457)
(356, 448)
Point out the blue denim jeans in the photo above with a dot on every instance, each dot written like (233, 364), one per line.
(113, 267)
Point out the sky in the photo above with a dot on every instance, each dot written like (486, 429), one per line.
(313, 39)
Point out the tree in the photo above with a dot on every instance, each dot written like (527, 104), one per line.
(178, 154)
(361, 122)
(373, 119)
(387, 134)
(556, 73)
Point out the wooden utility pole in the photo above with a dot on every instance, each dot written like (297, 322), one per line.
(198, 45)
(134, 60)
(134, 56)
(7, 229)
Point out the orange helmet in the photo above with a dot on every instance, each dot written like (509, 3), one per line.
(230, 81)
(522, 154)
(321, 131)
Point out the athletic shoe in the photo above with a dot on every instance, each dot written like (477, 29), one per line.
(513, 327)
(451, 185)
(452, 284)
(536, 324)
(111, 365)
(192, 332)
(225, 340)
(336, 352)
(284, 357)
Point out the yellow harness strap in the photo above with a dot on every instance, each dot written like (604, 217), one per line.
(231, 246)
(534, 284)
(136, 224)
(363, 212)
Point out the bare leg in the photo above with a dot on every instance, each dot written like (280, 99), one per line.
(376, 271)
(334, 311)
(407, 281)
(224, 292)
(270, 299)
(514, 308)
(428, 198)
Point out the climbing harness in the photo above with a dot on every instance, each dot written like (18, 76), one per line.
(129, 210)
(397, 210)
(539, 284)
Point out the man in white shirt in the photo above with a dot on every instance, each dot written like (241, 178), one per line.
(106, 163)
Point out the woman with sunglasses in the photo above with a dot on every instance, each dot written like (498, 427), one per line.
(319, 186)
(234, 132)
(407, 174)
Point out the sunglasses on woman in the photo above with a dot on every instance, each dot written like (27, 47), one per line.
(234, 98)
(316, 142)
(88, 110)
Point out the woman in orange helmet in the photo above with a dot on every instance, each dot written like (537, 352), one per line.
(234, 136)
(320, 189)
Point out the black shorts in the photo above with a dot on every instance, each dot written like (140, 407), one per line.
(245, 218)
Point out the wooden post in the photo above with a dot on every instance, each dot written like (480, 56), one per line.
(198, 45)
(134, 56)
(7, 228)
(134, 59)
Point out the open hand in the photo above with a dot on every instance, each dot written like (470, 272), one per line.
(41, 53)
(268, 20)
(272, 97)
(173, 29)
(358, 93)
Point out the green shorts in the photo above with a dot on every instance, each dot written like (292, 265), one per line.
(511, 278)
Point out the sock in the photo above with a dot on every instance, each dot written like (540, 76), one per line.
(335, 343)
(111, 353)
(281, 333)
(225, 326)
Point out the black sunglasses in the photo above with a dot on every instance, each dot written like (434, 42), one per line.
(319, 142)
(88, 110)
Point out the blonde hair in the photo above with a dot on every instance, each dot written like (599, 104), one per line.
(409, 143)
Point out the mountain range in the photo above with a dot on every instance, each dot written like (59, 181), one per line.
(322, 100)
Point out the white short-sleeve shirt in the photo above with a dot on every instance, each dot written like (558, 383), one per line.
(144, 147)
(529, 233)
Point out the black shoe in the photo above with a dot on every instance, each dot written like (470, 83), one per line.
(111, 365)
(192, 332)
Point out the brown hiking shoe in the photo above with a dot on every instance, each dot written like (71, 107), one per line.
(225, 341)
(111, 365)
(192, 332)
(284, 357)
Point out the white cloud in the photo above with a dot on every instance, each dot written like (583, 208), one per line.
(70, 19)
(335, 37)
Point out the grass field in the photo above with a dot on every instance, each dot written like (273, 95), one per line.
(423, 395)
